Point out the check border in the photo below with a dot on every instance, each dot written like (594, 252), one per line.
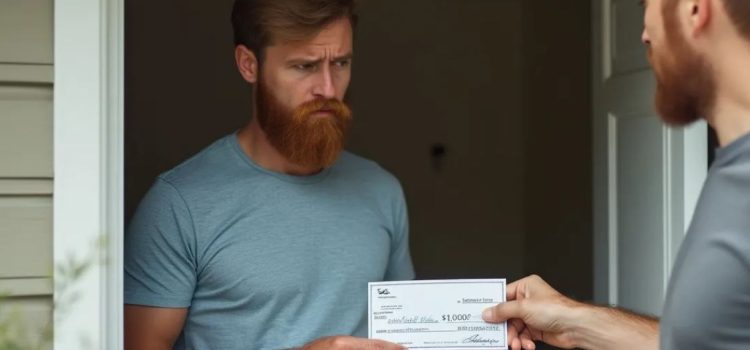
(372, 285)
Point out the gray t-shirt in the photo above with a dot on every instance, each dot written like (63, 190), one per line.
(708, 301)
(265, 260)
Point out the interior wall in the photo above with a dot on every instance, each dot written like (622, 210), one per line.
(447, 73)
(182, 90)
(558, 144)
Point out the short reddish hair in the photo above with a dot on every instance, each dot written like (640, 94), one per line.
(259, 23)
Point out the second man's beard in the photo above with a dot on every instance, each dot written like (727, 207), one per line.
(686, 87)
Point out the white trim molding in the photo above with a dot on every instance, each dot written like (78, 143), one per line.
(695, 154)
(88, 186)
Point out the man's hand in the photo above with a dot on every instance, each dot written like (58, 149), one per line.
(351, 343)
(535, 311)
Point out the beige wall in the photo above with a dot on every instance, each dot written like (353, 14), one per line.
(26, 177)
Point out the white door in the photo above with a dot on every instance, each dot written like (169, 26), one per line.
(646, 176)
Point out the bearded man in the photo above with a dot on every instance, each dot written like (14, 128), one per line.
(267, 238)
(700, 52)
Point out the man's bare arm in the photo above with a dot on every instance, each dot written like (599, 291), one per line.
(537, 312)
(152, 328)
(614, 328)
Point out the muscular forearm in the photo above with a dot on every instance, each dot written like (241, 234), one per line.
(608, 328)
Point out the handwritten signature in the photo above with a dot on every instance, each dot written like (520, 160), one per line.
(477, 339)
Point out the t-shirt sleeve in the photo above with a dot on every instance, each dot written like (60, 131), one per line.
(160, 264)
(400, 267)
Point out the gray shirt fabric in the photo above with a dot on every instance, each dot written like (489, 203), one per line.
(708, 300)
(264, 260)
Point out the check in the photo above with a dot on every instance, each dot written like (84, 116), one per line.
(443, 314)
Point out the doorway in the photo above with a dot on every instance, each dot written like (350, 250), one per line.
(482, 109)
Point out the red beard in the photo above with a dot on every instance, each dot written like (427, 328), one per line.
(304, 136)
(686, 90)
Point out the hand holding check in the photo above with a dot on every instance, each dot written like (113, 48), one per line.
(534, 311)
(537, 312)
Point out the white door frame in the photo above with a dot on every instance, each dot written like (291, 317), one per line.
(88, 157)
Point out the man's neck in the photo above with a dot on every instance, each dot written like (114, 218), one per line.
(730, 119)
(730, 116)
(255, 144)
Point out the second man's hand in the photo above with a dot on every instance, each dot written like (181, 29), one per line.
(535, 311)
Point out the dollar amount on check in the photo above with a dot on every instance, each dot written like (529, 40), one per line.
(445, 314)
